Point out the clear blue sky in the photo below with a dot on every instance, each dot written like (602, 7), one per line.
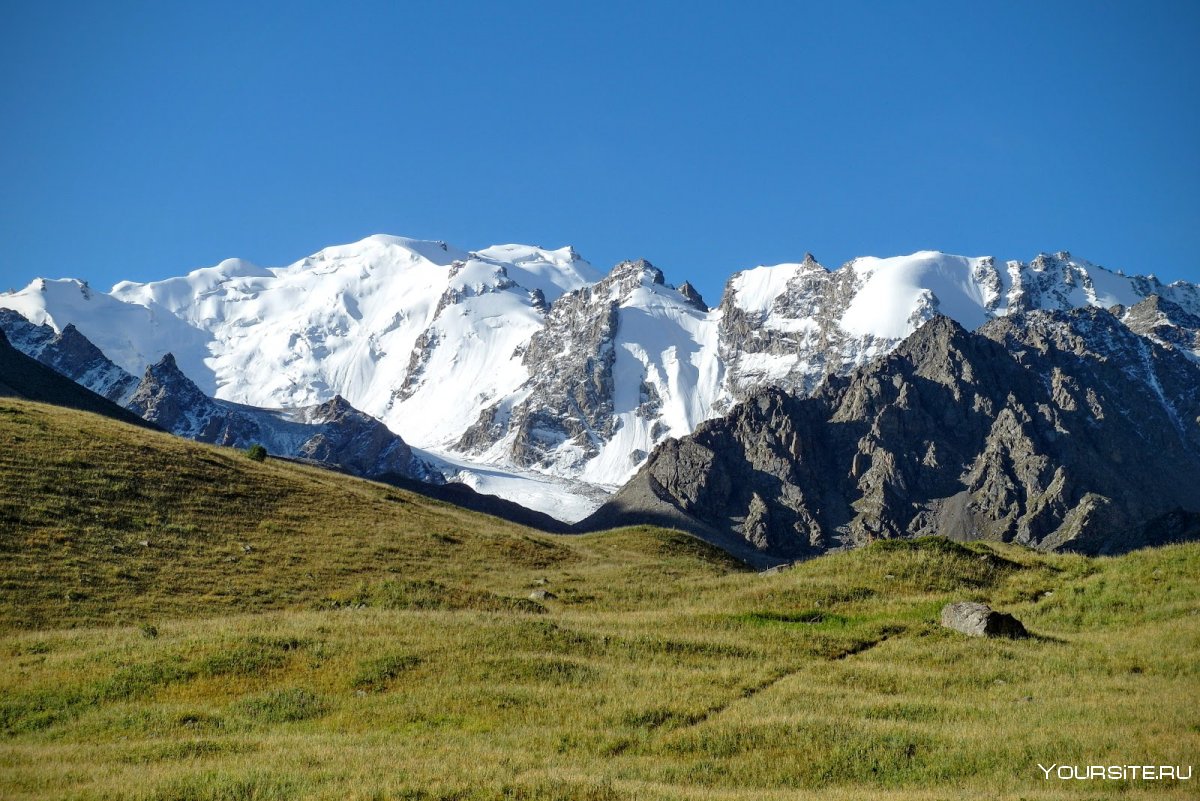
(142, 140)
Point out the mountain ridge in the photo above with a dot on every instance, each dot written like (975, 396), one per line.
(1050, 429)
(527, 359)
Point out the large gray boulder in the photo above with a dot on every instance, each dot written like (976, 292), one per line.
(980, 620)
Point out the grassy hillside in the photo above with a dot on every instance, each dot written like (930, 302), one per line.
(375, 645)
(104, 523)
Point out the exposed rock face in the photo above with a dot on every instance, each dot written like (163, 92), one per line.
(980, 620)
(169, 399)
(693, 296)
(1164, 322)
(791, 339)
(565, 412)
(332, 433)
(71, 354)
(359, 443)
(1051, 429)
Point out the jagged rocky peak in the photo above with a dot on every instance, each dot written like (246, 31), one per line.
(166, 366)
(337, 406)
(1165, 322)
(628, 275)
(172, 401)
(332, 433)
(70, 353)
(693, 296)
(358, 443)
(1051, 429)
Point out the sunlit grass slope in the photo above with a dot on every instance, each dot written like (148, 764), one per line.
(371, 644)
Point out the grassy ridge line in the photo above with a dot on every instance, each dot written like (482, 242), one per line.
(104, 523)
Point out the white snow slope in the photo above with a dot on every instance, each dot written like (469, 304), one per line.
(425, 336)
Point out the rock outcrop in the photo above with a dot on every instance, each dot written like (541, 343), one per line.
(1164, 322)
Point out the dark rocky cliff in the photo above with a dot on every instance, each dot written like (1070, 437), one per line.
(1059, 430)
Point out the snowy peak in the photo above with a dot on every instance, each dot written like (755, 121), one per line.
(894, 296)
(382, 251)
(1061, 281)
(367, 320)
(616, 367)
(477, 331)
(551, 272)
(178, 293)
(791, 324)
(627, 277)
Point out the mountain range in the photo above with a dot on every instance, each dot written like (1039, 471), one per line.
(527, 373)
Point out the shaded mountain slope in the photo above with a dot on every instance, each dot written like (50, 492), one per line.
(71, 353)
(332, 433)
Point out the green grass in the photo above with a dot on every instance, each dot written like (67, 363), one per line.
(372, 644)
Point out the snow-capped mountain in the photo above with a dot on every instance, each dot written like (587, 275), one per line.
(529, 360)
(615, 368)
(789, 325)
